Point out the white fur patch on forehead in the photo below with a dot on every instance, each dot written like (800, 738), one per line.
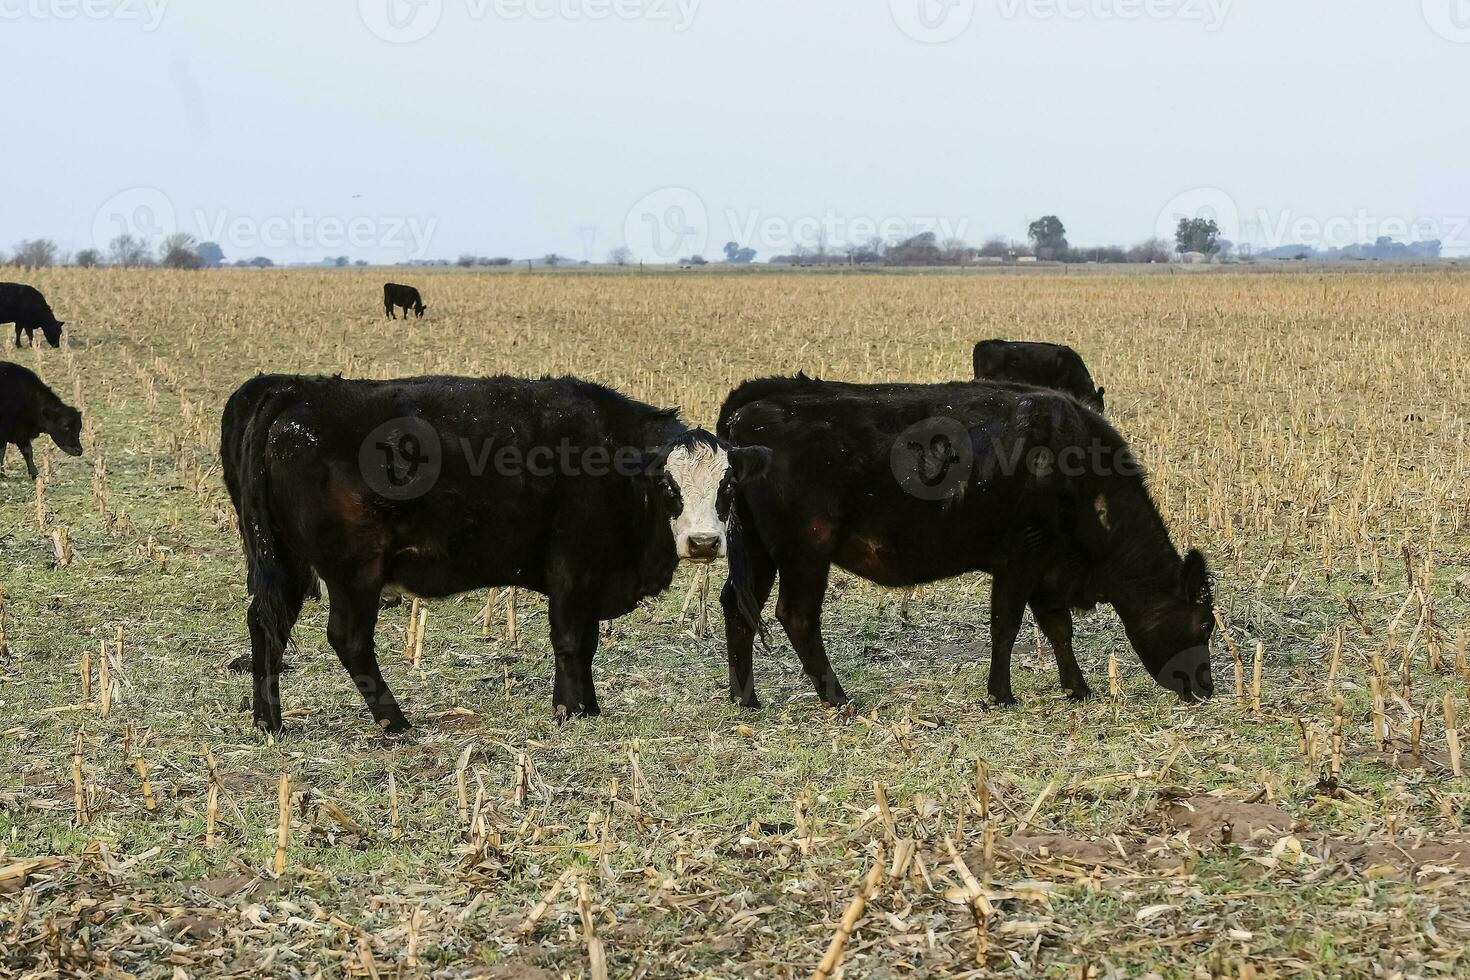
(697, 467)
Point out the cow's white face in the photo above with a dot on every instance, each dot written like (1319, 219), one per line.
(699, 482)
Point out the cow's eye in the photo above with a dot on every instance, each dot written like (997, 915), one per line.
(672, 497)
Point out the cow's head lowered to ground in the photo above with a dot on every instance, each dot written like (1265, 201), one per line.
(697, 476)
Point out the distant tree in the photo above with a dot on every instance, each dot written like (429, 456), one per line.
(552, 259)
(995, 247)
(129, 252)
(1152, 250)
(922, 249)
(498, 260)
(621, 255)
(37, 253)
(343, 262)
(87, 258)
(465, 261)
(210, 254)
(1197, 235)
(737, 255)
(1048, 236)
(361, 263)
(956, 250)
(177, 252)
(698, 260)
(259, 262)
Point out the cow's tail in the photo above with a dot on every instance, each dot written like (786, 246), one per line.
(277, 580)
(745, 546)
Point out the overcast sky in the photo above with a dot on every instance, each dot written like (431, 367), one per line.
(392, 129)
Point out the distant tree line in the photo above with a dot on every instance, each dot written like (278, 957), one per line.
(1195, 239)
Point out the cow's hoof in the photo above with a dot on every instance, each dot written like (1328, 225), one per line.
(240, 665)
(560, 715)
(394, 726)
(751, 703)
(1004, 700)
(1080, 695)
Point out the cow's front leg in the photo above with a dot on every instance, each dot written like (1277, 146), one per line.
(572, 692)
(350, 624)
(25, 453)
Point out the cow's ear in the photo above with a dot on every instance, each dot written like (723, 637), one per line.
(750, 462)
(1194, 579)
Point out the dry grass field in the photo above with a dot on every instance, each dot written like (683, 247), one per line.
(1310, 430)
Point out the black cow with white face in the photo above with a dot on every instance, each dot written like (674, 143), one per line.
(903, 484)
(440, 485)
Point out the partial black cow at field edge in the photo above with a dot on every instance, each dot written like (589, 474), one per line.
(27, 409)
(25, 307)
(405, 297)
(442, 485)
(1039, 364)
(907, 483)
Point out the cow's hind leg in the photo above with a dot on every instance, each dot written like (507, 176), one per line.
(799, 608)
(1055, 620)
(1009, 591)
(273, 612)
(350, 625)
(742, 615)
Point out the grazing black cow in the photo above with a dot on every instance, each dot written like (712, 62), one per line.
(405, 297)
(25, 307)
(1042, 365)
(29, 408)
(441, 485)
(908, 483)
